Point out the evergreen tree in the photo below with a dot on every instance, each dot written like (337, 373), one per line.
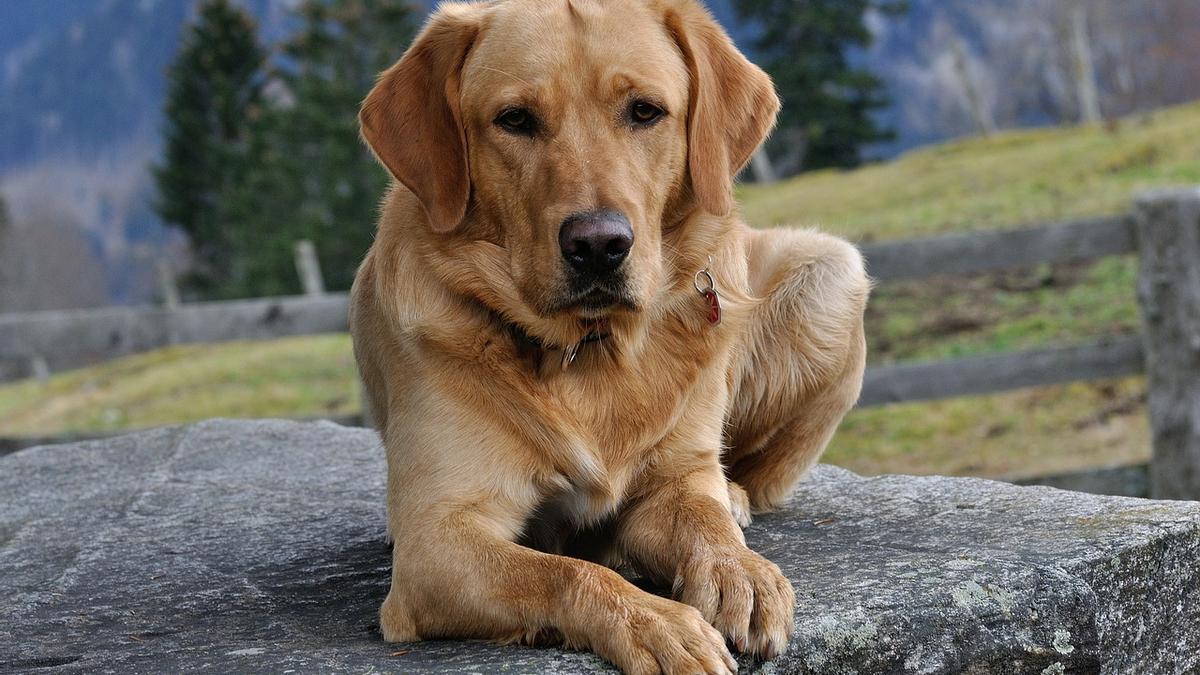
(214, 90)
(827, 101)
(316, 180)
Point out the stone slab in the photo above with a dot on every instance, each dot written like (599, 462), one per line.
(259, 547)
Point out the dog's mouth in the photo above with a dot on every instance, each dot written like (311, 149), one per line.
(596, 301)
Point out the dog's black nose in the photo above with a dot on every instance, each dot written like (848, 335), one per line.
(596, 242)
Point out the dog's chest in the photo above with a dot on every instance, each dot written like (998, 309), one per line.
(628, 406)
(570, 522)
(623, 411)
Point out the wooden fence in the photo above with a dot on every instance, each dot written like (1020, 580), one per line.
(1164, 228)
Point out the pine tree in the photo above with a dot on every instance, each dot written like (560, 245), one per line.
(214, 91)
(316, 180)
(827, 101)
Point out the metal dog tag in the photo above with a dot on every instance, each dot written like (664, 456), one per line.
(706, 286)
(714, 306)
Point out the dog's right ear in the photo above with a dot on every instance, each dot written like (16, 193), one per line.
(732, 103)
(412, 122)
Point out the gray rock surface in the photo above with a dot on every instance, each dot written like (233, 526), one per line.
(258, 546)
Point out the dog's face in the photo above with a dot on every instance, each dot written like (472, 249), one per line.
(576, 125)
(571, 132)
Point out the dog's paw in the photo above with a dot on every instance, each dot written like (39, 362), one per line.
(739, 505)
(395, 623)
(657, 635)
(743, 595)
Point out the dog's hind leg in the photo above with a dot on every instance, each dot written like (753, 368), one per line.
(739, 505)
(800, 364)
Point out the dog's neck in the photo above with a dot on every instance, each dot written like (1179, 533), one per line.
(546, 357)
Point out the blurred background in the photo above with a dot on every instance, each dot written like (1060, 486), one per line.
(174, 152)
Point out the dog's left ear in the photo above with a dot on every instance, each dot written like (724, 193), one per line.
(412, 122)
(732, 104)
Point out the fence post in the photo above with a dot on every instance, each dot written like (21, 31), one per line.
(39, 368)
(762, 168)
(167, 284)
(309, 268)
(1168, 230)
(1084, 68)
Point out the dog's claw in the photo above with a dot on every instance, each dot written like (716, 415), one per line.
(754, 610)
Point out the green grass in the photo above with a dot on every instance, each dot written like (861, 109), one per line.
(945, 318)
(306, 376)
(987, 183)
(1007, 180)
(1024, 433)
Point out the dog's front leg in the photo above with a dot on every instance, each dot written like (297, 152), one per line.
(456, 577)
(681, 531)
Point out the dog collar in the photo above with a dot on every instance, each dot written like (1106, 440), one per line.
(596, 331)
(531, 346)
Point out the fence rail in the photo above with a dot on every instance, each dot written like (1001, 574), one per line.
(69, 339)
(1001, 372)
(979, 252)
(1164, 228)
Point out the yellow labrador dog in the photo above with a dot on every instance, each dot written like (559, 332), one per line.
(576, 354)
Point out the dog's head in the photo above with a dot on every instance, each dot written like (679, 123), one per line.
(571, 133)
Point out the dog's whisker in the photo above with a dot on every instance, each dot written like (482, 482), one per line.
(672, 253)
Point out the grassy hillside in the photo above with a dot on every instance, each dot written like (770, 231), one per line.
(1006, 180)
(307, 376)
(987, 183)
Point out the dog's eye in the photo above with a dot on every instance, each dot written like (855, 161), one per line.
(644, 114)
(517, 121)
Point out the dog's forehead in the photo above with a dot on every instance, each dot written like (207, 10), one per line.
(533, 42)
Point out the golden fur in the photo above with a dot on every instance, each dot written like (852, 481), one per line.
(656, 443)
